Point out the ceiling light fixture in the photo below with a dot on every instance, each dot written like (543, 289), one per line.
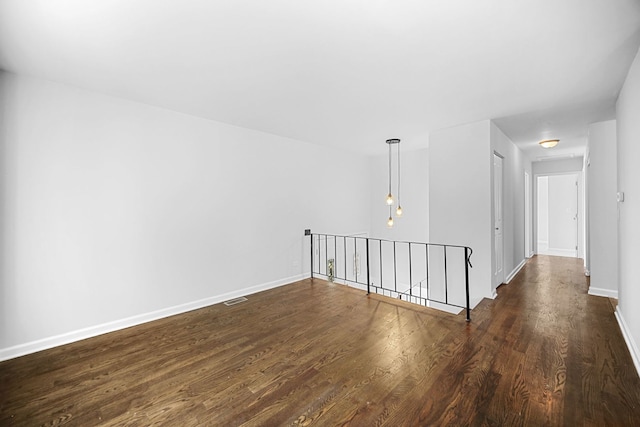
(549, 143)
(390, 201)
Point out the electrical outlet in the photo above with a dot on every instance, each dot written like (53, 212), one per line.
(307, 232)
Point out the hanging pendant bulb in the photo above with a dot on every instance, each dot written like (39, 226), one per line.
(390, 199)
(399, 208)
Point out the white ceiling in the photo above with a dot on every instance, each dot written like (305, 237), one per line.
(347, 73)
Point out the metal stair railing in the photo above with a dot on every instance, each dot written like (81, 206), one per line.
(389, 267)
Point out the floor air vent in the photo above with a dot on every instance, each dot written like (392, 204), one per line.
(235, 301)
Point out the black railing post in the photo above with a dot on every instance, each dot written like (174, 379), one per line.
(311, 236)
(368, 276)
(410, 275)
(466, 277)
(446, 277)
(395, 270)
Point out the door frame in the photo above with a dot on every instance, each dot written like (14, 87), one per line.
(527, 215)
(498, 277)
(581, 210)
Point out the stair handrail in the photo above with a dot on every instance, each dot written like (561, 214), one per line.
(468, 251)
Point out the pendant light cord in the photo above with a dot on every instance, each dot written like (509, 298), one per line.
(389, 168)
(398, 173)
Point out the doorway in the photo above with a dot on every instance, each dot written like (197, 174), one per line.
(557, 215)
(527, 215)
(498, 268)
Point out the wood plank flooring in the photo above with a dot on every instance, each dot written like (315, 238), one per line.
(314, 353)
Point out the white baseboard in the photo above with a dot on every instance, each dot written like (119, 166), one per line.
(599, 292)
(628, 338)
(559, 252)
(92, 331)
(542, 245)
(515, 271)
(443, 307)
(475, 301)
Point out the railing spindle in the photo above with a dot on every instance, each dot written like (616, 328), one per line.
(410, 275)
(395, 272)
(368, 275)
(446, 277)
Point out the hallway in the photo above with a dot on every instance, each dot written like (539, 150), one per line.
(575, 364)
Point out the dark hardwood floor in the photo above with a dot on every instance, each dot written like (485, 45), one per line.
(313, 353)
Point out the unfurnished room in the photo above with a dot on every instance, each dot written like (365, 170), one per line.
(319, 213)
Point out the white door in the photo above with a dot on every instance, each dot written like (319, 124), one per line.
(563, 215)
(498, 270)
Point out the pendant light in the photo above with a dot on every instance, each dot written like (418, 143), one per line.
(390, 200)
(549, 143)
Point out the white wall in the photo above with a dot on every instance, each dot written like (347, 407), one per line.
(602, 209)
(514, 164)
(115, 212)
(628, 158)
(460, 203)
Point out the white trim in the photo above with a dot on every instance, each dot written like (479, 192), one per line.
(515, 271)
(543, 245)
(628, 338)
(92, 331)
(444, 307)
(600, 292)
(475, 301)
(571, 253)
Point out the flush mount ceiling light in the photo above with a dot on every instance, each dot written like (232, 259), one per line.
(390, 200)
(549, 143)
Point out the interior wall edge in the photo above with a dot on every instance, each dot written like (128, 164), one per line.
(628, 339)
(93, 331)
(601, 292)
(515, 271)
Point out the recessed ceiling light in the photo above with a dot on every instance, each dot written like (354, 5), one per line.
(549, 143)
